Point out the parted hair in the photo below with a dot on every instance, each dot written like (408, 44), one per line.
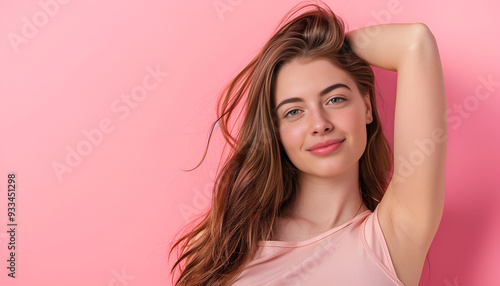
(257, 181)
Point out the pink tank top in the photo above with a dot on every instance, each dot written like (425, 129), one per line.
(354, 253)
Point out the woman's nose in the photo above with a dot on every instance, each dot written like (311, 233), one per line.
(320, 123)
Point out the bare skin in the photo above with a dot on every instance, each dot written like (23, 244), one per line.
(328, 192)
(328, 196)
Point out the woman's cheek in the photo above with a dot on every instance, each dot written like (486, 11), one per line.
(353, 120)
(290, 136)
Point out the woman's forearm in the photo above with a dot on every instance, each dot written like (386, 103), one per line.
(413, 203)
(389, 46)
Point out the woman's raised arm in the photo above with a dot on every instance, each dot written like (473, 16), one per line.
(411, 209)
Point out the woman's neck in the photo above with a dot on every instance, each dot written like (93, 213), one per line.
(328, 202)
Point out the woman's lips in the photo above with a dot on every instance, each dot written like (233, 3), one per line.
(325, 147)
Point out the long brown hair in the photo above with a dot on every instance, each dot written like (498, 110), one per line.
(258, 181)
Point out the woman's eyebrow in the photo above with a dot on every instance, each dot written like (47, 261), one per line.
(321, 93)
(332, 87)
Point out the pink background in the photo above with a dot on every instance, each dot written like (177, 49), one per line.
(68, 67)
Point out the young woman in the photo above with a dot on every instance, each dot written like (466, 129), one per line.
(306, 195)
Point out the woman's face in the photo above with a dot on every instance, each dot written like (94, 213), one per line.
(322, 117)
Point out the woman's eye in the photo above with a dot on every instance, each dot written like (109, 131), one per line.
(336, 100)
(292, 113)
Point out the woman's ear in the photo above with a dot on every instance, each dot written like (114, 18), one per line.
(368, 104)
